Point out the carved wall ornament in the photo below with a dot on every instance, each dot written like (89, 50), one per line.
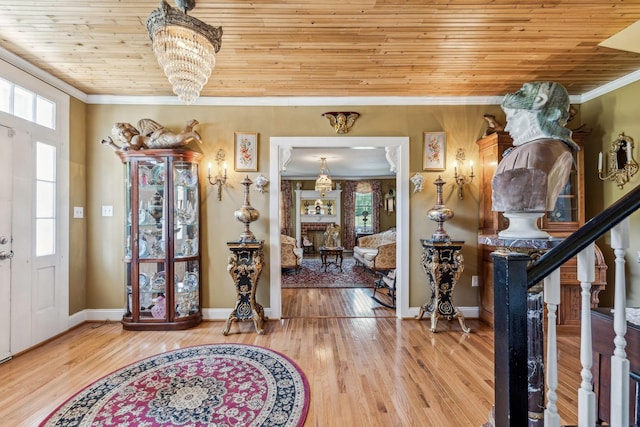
(493, 125)
(261, 182)
(392, 157)
(285, 157)
(150, 134)
(418, 181)
(342, 121)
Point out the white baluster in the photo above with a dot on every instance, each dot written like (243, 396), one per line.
(586, 396)
(552, 299)
(619, 363)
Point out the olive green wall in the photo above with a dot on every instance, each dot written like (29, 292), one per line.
(77, 197)
(104, 184)
(608, 116)
(96, 267)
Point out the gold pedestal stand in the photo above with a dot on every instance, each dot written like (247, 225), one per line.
(244, 266)
(443, 264)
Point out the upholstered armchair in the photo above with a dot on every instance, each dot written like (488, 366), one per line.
(290, 253)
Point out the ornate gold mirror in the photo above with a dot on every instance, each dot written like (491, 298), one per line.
(621, 164)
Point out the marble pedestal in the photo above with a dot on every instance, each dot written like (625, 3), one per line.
(534, 248)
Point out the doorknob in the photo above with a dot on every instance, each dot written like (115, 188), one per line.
(6, 255)
(4, 240)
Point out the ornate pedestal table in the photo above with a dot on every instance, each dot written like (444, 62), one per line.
(443, 264)
(245, 264)
(334, 252)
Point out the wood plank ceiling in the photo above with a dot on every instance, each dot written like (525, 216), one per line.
(334, 48)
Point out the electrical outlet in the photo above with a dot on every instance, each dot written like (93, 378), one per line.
(107, 210)
(475, 281)
(78, 212)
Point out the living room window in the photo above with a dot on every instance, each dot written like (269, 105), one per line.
(362, 211)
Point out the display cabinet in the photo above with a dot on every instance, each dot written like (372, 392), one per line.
(162, 239)
(566, 218)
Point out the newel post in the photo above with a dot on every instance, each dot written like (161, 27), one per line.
(510, 342)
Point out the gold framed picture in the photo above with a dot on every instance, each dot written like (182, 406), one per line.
(245, 152)
(434, 151)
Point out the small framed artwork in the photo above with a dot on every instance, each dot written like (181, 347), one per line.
(246, 151)
(434, 151)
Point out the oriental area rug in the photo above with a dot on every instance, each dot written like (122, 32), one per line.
(209, 385)
(312, 275)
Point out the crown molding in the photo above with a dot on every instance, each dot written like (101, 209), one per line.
(611, 86)
(42, 75)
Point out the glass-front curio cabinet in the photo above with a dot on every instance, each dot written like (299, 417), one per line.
(162, 239)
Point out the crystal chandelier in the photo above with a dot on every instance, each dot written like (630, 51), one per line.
(184, 46)
(323, 182)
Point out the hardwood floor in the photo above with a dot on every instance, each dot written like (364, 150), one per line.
(362, 372)
(333, 302)
(366, 371)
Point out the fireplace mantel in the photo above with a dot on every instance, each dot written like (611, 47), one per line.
(318, 212)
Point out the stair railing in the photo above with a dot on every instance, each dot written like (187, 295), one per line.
(513, 277)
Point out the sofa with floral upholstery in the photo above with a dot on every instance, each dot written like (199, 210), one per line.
(290, 253)
(377, 251)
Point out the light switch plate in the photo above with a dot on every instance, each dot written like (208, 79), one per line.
(78, 212)
(107, 210)
(475, 281)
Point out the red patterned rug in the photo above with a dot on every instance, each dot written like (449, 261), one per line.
(209, 385)
(312, 275)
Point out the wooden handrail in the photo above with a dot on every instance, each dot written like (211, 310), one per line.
(512, 278)
(586, 234)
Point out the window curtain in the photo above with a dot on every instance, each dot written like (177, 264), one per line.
(348, 203)
(376, 204)
(285, 207)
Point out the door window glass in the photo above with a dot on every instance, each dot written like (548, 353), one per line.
(45, 199)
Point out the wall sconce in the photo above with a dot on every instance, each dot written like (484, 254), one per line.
(461, 179)
(621, 165)
(219, 180)
(390, 202)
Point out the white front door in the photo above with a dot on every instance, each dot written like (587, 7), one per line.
(33, 301)
(6, 203)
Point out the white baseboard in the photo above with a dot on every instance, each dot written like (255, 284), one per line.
(100, 315)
